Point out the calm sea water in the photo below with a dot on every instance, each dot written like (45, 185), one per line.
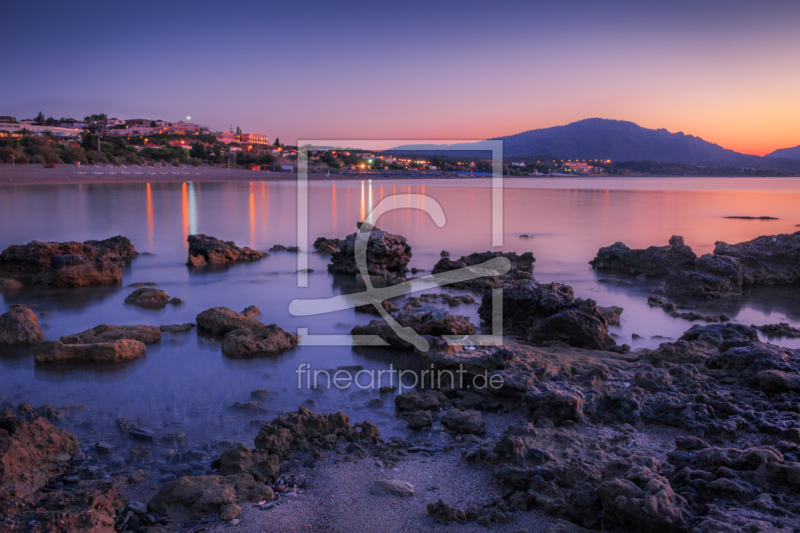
(186, 384)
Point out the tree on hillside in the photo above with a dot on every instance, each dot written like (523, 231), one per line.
(277, 141)
(153, 124)
(50, 121)
(40, 119)
(198, 151)
(238, 130)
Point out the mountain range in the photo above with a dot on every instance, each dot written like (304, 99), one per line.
(619, 140)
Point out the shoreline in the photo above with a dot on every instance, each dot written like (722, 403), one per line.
(68, 174)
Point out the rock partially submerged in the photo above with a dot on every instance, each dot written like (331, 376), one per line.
(19, 326)
(387, 255)
(248, 342)
(327, 246)
(68, 264)
(31, 453)
(540, 313)
(425, 320)
(766, 260)
(207, 250)
(56, 352)
(778, 330)
(521, 267)
(106, 333)
(151, 298)
(244, 335)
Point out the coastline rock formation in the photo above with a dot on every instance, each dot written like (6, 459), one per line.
(67, 264)
(521, 268)
(426, 320)
(31, 453)
(766, 260)
(151, 298)
(106, 333)
(19, 326)
(244, 336)
(387, 255)
(655, 261)
(207, 250)
(539, 313)
(56, 352)
(327, 246)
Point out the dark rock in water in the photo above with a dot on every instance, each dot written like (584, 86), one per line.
(56, 352)
(141, 434)
(68, 264)
(711, 276)
(521, 267)
(467, 422)
(655, 261)
(251, 311)
(207, 250)
(192, 497)
(420, 420)
(142, 284)
(106, 333)
(177, 328)
(752, 218)
(221, 320)
(9, 285)
(151, 298)
(30, 454)
(370, 309)
(426, 320)
(779, 330)
(247, 342)
(387, 255)
(19, 326)
(327, 246)
(414, 401)
(550, 312)
(282, 248)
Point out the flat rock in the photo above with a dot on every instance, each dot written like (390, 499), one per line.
(151, 298)
(106, 333)
(393, 487)
(221, 320)
(55, 352)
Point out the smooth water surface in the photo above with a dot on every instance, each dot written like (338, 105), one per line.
(185, 382)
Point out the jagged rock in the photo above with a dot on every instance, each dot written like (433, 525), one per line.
(643, 498)
(558, 404)
(241, 459)
(412, 401)
(550, 312)
(282, 248)
(425, 320)
(19, 326)
(441, 510)
(192, 497)
(289, 432)
(778, 330)
(387, 254)
(468, 422)
(31, 453)
(711, 276)
(246, 342)
(229, 512)
(68, 264)
(776, 382)
(655, 261)
(56, 352)
(521, 267)
(221, 320)
(207, 250)
(251, 311)
(420, 420)
(9, 285)
(371, 310)
(327, 246)
(151, 298)
(106, 333)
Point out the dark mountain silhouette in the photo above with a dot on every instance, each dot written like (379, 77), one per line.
(619, 140)
(786, 153)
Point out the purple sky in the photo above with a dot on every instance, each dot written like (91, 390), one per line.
(723, 70)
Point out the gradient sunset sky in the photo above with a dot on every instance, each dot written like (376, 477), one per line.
(727, 71)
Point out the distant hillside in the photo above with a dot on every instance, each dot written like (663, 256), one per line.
(618, 140)
(786, 153)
